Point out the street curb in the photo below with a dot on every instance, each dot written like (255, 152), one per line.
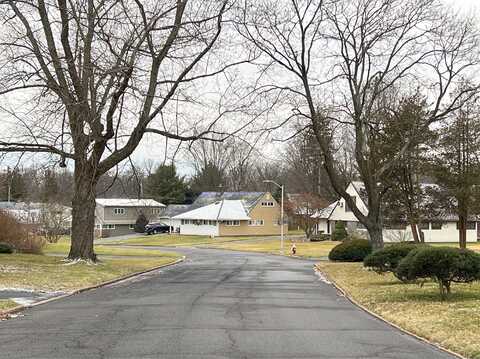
(368, 311)
(84, 289)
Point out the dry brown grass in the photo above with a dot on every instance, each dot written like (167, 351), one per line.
(454, 324)
(272, 246)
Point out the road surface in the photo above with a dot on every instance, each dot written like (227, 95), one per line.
(217, 304)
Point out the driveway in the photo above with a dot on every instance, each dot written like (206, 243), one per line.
(217, 304)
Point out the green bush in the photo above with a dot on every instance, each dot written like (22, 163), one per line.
(340, 232)
(386, 259)
(320, 237)
(6, 248)
(351, 251)
(445, 265)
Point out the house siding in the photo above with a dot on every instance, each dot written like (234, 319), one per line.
(105, 215)
(448, 233)
(270, 215)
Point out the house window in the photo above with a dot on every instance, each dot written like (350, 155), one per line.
(347, 207)
(470, 225)
(268, 204)
(119, 211)
(436, 225)
(232, 223)
(213, 223)
(185, 221)
(256, 222)
(108, 226)
(206, 222)
(98, 226)
(155, 210)
(132, 226)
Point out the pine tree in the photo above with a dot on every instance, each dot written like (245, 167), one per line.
(165, 186)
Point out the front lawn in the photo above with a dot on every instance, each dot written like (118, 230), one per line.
(454, 324)
(48, 273)
(272, 246)
(62, 247)
(174, 240)
(6, 304)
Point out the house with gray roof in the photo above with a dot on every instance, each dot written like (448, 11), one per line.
(117, 216)
(232, 214)
(442, 227)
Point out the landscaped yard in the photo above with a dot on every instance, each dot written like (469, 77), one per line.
(304, 249)
(453, 324)
(63, 246)
(49, 272)
(174, 240)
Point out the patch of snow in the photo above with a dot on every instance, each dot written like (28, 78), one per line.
(322, 277)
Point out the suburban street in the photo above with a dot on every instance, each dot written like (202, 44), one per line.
(217, 304)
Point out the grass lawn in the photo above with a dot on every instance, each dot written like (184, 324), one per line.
(7, 304)
(454, 323)
(304, 249)
(174, 240)
(41, 272)
(63, 246)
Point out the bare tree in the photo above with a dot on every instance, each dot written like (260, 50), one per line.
(358, 50)
(303, 208)
(100, 75)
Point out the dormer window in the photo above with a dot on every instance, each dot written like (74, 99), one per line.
(119, 211)
(268, 204)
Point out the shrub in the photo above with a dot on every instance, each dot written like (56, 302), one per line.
(6, 248)
(320, 237)
(140, 224)
(445, 265)
(340, 232)
(351, 251)
(16, 235)
(31, 244)
(386, 259)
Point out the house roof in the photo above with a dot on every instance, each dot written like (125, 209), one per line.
(174, 210)
(221, 211)
(128, 202)
(249, 199)
(325, 213)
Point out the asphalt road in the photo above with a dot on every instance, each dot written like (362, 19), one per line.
(218, 304)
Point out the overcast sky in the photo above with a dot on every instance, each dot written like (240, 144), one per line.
(151, 148)
(465, 4)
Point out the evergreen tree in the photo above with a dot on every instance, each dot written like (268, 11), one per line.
(210, 178)
(455, 164)
(165, 186)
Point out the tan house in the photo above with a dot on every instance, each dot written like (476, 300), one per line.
(232, 214)
(117, 216)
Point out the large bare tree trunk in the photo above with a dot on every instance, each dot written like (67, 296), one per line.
(83, 214)
(416, 237)
(376, 236)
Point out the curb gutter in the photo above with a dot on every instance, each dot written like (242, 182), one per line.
(365, 309)
(19, 308)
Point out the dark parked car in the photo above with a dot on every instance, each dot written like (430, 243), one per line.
(154, 228)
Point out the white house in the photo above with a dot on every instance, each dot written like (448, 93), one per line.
(206, 220)
(444, 229)
(232, 214)
(170, 212)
